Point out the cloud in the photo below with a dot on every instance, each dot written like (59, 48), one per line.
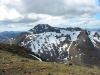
(55, 12)
(69, 8)
(72, 22)
(18, 21)
(8, 12)
(12, 9)
(30, 18)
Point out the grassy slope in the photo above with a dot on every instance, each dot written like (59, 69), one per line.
(11, 64)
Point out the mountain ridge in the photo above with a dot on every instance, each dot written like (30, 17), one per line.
(57, 44)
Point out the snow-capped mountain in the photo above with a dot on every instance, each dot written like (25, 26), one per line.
(62, 44)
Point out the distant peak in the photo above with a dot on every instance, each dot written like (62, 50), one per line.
(40, 28)
(43, 26)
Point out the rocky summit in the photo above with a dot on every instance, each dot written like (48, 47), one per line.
(62, 45)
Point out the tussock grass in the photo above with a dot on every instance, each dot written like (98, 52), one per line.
(13, 64)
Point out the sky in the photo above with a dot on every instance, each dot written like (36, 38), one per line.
(22, 15)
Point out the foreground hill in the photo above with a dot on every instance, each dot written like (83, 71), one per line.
(13, 64)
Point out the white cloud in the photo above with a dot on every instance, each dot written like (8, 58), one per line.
(66, 8)
(61, 22)
(69, 8)
(55, 12)
(81, 3)
(43, 16)
(6, 12)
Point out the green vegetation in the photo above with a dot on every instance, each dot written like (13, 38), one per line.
(13, 64)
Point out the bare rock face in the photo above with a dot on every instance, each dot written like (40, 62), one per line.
(83, 50)
(62, 44)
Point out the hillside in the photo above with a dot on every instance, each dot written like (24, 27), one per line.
(8, 37)
(13, 64)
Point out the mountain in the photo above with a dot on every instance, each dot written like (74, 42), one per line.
(62, 45)
(8, 37)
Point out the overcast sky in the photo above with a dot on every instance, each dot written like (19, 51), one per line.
(22, 15)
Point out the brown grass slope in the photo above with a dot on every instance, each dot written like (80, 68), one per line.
(13, 64)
